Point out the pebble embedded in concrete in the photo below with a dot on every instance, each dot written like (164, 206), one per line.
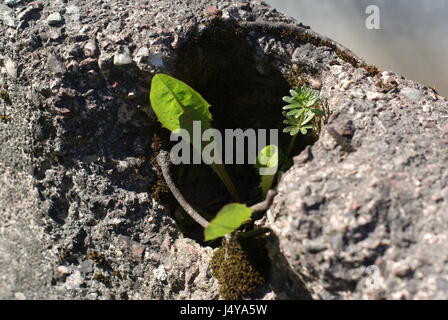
(11, 68)
(374, 96)
(411, 93)
(160, 273)
(12, 3)
(55, 65)
(122, 57)
(74, 281)
(8, 18)
(54, 19)
(90, 48)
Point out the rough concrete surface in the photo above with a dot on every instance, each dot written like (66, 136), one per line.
(363, 213)
(370, 223)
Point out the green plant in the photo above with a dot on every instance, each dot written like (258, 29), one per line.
(233, 216)
(300, 112)
(228, 219)
(268, 159)
(177, 106)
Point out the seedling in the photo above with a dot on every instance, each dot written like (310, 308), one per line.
(299, 116)
(177, 106)
(268, 160)
(300, 112)
(228, 219)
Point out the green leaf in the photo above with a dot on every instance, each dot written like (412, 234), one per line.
(296, 113)
(267, 162)
(288, 99)
(292, 106)
(304, 129)
(318, 112)
(290, 120)
(295, 131)
(311, 102)
(228, 219)
(177, 105)
(308, 117)
(268, 157)
(293, 93)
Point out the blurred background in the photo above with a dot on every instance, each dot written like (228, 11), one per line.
(413, 39)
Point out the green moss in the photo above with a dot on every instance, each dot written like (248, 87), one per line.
(347, 57)
(240, 267)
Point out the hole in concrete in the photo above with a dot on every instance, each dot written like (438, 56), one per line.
(220, 64)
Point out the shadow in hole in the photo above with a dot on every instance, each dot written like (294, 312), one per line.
(286, 284)
(220, 64)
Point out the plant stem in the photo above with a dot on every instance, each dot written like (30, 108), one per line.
(163, 161)
(266, 203)
(291, 145)
(293, 140)
(222, 174)
(266, 183)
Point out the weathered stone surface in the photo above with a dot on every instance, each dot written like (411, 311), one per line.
(69, 190)
(76, 218)
(381, 230)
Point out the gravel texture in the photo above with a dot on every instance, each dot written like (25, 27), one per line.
(76, 218)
